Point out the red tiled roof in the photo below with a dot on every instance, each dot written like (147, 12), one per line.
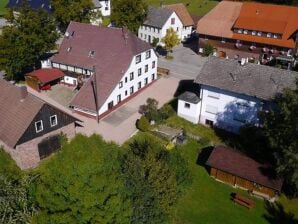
(238, 164)
(182, 13)
(46, 75)
(114, 50)
(271, 18)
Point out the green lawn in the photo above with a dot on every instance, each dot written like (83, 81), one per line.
(207, 200)
(195, 7)
(3, 3)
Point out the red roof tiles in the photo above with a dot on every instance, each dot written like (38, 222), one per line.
(238, 164)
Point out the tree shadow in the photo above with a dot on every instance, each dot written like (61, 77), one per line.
(276, 214)
(203, 157)
(191, 43)
(187, 85)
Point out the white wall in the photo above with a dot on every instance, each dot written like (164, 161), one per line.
(126, 86)
(186, 32)
(191, 114)
(227, 110)
(70, 80)
(105, 8)
(145, 31)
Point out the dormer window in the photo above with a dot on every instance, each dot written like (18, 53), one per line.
(69, 49)
(259, 34)
(269, 35)
(91, 53)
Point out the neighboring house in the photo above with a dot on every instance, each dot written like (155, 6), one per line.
(185, 18)
(29, 127)
(234, 168)
(158, 21)
(114, 62)
(104, 6)
(251, 27)
(34, 4)
(230, 94)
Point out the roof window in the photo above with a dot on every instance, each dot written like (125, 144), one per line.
(91, 53)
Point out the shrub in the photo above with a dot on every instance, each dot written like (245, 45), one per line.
(143, 124)
(208, 50)
(166, 111)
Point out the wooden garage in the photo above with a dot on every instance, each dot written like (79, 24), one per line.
(43, 79)
(233, 167)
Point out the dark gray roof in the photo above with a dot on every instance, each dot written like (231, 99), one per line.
(189, 97)
(261, 81)
(157, 17)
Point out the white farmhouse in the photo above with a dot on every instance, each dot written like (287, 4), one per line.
(114, 64)
(230, 94)
(104, 6)
(159, 20)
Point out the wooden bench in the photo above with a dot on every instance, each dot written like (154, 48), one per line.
(244, 201)
(163, 71)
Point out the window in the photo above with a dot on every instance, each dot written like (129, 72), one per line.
(275, 36)
(138, 57)
(69, 49)
(245, 31)
(125, 92)
(253, 33)
(241, 112)
(153, 64)
(259, 34)
(139, 71)
(146, 81)
(146, 68)
(186, 105)
(213, 95)
(139, 85)
(141, 35)
(119, 98)
(173, 21)
(53, 120)
(211, 109)
(209, 123)
(131, 76)
(177, 29)
(223, 40)
(125, 79)
(153, 76)
(38, 126)
(120, 85)
(269, 35)
(148, 54)
(240, 31)
(131, 90)
(91, 53)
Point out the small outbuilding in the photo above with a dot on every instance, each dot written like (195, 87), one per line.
(233, 167)
(42, 79)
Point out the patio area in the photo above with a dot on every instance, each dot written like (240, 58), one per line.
(61, 94)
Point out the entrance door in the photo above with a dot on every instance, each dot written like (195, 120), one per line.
(110, 105)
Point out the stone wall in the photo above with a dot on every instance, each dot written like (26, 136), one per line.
(26, 155)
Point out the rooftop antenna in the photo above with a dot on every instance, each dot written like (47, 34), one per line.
(94, 88)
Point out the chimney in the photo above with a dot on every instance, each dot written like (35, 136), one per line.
(23, 92)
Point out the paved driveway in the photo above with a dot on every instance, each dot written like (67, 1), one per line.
(119, 125)
(185, 65)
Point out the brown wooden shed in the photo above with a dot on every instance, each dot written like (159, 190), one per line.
(235, 168)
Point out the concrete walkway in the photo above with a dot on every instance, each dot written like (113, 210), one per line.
(119, 125)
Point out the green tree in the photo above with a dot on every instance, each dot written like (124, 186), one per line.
(82, 184)
(170, 40)
(281, 129)
(150, 109)
(66, 11)
(30, 36)
(143, 124)
(16, 204)
(208, 50)
(129, 13)
(153, 184)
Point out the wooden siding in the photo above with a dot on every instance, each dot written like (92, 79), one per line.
(44, 114)
(241, 182)
(32, 82)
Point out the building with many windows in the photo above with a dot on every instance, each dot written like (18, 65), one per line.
(230, 94)
(159, 20)
(248, 28)
(115, 65)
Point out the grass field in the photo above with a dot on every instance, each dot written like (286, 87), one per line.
(195, 7)
(3, 3)
(208, 201)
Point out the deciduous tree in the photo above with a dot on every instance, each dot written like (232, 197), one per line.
(170, 40)
(129, 13)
